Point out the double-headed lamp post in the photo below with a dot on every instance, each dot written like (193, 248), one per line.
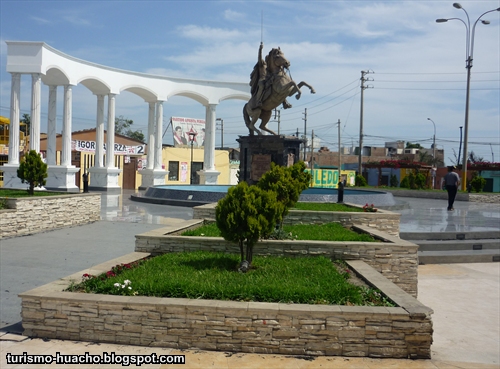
(192, 135)
(433, 150)
(469, 51)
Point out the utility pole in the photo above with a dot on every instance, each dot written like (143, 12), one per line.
(221, 132)
(340, 153)
(363, 88)
(277, 113)
(305, 132)
(460, 147)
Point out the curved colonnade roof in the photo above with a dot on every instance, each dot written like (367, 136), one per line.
(58, 69)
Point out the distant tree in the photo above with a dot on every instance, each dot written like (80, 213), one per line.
(32, 170)
(122, 127)
(410, 145)
(473, 158)
(26, 120)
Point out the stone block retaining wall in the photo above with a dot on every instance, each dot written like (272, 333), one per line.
(382, 220)
(394, 258)
(28, 215)
(292, 329)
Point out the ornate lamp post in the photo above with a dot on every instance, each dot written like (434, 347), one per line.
(469, 51)
(192, 135)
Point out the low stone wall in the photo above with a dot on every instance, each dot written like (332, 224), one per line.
(274, 328)
(28, 215)
(487, 198)
(382, 220)
(394, 258)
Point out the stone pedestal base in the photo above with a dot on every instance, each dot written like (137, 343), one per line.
(208, 177)
(258, 152)
(10, 178)
(152, 177)
(62, 178)
(104, 179)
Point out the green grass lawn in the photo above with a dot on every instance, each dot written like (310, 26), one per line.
(317, 206)
(213, 275)
(316, 232)
(24, 193)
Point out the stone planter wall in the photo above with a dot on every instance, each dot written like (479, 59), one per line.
(394, 258)
(28, 215)
(292, 329)
(382, 220)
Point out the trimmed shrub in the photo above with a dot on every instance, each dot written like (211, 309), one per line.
(32, 170)
(360, 181)
(477, 183)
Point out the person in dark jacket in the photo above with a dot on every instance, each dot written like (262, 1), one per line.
(451, 181)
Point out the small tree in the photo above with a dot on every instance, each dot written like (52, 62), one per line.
(287, 183)
(477, 183)
(394, 181)
(360, 181)
(32, 170)
(246, 214)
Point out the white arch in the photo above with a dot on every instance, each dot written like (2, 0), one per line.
(59, 69)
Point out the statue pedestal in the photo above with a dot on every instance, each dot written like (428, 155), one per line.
(258, 152)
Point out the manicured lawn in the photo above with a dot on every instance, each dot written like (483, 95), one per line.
(316, 206)
(23, 193)
(211, 275)
(317, 232)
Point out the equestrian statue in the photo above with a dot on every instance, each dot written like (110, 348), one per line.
(270, 86)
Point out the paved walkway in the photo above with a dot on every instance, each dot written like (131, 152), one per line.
(465, 297)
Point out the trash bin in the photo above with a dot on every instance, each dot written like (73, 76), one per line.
(340, 190)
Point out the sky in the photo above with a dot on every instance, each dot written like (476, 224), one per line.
(417, 66)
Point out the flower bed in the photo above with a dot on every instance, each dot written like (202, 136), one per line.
(399, 332)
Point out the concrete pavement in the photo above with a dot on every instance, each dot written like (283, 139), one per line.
(464, 297)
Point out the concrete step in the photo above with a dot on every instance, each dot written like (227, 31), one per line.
(462, 256)
(451, 245)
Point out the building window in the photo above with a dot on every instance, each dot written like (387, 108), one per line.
(173, 170)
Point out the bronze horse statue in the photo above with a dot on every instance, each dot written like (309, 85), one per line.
(270, 90)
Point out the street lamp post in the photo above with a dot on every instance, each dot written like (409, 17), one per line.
(469, 50)
(433, 151)
(192, 135)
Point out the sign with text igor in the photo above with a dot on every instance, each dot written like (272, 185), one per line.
(120, 149)
(182, 127)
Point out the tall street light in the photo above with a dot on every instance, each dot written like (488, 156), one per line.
(192, 135)
(469, 51)
(433, 152)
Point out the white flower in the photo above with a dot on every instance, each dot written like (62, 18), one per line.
(129, 288)
(117, 285)
(123, 286)
(127, 282)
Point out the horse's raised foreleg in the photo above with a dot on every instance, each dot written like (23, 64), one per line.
(302, 83)
(265, 116)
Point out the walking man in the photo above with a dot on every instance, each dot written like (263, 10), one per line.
(451, 182)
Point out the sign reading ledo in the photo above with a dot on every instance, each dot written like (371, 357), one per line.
(182, 127)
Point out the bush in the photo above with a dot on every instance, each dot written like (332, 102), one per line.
(287, 183)
(246, 214)
(394, 181)
(360, 181)
(32, 170)
(419, 181)
(405, 183)
(477, 183)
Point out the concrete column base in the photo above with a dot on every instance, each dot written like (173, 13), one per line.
(208, 177)
(152, 177)
(104, 179)
(62, 178)
(10, 178)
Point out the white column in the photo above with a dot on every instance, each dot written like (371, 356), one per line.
(209, 175)
(159, 133)
(110, 141)
(15, 93)
(99, 133)
(35, 112)
(66, 131)
(52, 126)
(151, 136)
(209, 150)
